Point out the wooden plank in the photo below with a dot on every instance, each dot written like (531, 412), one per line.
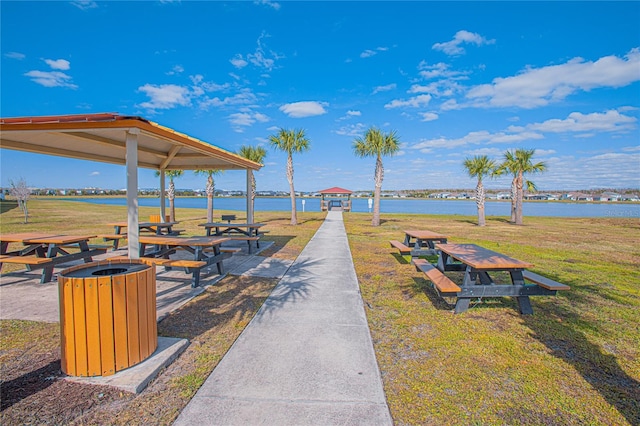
(107, 338)
(25, 260)
(439, 280)
(67, 331)
(80, 330)
(151, 308)
(133, 335)
(143, 321)
(400, 246)
(94, 359)
(120, 321)
(545, 282)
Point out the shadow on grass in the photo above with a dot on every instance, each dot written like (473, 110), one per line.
(279, 243)
(220, 306)
(600, 369)
(7, 205)
(14, 391)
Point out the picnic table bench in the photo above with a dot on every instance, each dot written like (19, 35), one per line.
(477, 263)
(249, 232)
(46, 251)
(206, 251)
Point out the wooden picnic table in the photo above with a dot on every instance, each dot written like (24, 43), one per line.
(158, 228)
(221, 228)
(46, 250)
(206, 251)
(423, 241)
(478, 264)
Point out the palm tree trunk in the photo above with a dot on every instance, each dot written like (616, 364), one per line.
(294, 216)
(209, 190)
(514, 197)
(171, 194)
(378, 189)
(480, 203)
(252, 179)
(519, 196)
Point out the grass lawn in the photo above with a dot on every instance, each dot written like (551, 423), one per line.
(575, 361)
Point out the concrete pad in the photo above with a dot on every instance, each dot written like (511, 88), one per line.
(243, 412)
(135, 379)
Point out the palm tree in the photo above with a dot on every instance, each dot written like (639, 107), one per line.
(255, 154)
(376, 143)
(210, 189)
(290, 141)
(171, 192)
(518, 163)
(480, 166)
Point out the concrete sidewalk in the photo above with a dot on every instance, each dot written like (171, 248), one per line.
(307, 357)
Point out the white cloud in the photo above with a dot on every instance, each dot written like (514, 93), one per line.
(269, 3)
(262, 57)
(439, 70)
(537, 87)
(610, 121)
(177, 69)
(245, 97)
(94, 174)
(352, 130)
(453, 47)
(246, 119)
(386, 88)
(414, 102)
(304, 109)
(51, 79)
(58, 64)
(165, 96)
(350, 114)
(15, 55)
(429, 116)
(85, 4)
(238, 62)
(369, 52)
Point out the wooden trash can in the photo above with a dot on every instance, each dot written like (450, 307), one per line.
(107, 316)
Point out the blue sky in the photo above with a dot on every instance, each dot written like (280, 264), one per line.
(454, 79)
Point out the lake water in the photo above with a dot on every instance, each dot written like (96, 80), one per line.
(399, 205)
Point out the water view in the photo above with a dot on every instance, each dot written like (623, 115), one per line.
(400, 205)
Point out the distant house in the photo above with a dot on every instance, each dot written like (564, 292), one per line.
(503, 196)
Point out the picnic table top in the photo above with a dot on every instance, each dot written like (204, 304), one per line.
(481, 258)
(40, 238)
(21, 237)
(142, 224)
(424, 234)
(231, 225)
(182, 241)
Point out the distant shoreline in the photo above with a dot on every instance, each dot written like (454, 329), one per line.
(488, 200)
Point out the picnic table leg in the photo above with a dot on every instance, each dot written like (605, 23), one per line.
(524, 304)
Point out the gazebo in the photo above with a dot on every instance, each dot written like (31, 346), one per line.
(335, 199)
(130, 141)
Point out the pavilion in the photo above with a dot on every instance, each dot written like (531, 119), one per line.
(126, 140)
(335, 199)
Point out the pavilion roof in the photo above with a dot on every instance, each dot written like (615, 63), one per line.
(335, 190)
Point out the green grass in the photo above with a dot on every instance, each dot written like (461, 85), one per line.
(575, 361)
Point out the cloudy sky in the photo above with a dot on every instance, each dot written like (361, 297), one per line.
(454, 80)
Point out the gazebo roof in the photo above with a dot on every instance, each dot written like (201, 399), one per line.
(102, 137)
(336, 190)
